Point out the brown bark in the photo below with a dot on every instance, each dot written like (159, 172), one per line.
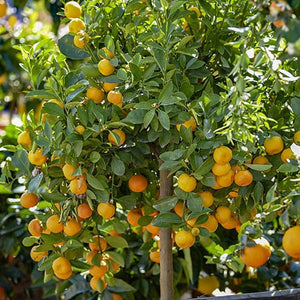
(166, 258)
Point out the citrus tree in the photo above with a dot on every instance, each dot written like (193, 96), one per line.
(178, 121)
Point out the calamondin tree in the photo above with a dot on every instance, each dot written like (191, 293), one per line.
(164, 119)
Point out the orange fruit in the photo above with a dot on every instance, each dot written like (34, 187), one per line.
(207, 198)
(286, 154)
(148, 214)
(98, 244)
(117, 297)
(35, 228)
(54, 225)
(235, 168)
(95, 94)
(114, 141)
(291, 241)
(24, 139)
(68, 170)
(84, 211)
(274, 145)
(178, 208)
(223, 214)
(76, 25)
(207, 285)
(243, 178)
(29, 200)
(231, 223)
(99, 271)
(225, 180)
(80, 129)
(278, 23)
(94, 281)
(37, 256)
(78, 185)
(222, 155)
(72, 227)
(133, 217)
(257, 255)
(220, 170)
(106, 210)
(37, 158)
(3, 76)
(62, 268)
(105, 67)
(155, 256)
(260, 160)
(191, 123)
(217, 186)
(152, 229)
(137, 183)
(253, 213)
(72, 10)
(114, 97)
(186, 182)
(196, 10)
(184, 239)
(234, 193)
(192, 222)
(297, 137)
(81, 39)
(107, 86)
(3, 8)
(114, 233)
(211, 224)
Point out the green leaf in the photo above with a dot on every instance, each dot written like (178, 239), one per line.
(41, 94)
(128, 202)
(95, 182)
(194, 202)
(164, 119)
(20, 161)
(165, 204)
(53, 109)
(148, 117)
(67, 47)
(117, 242)
(29, 241)
(205, 167)
(270, 194)
(160, 59)
(258, 191)
(116, 257)
(172, 155)
(136, 71)
(118, 167)
(135, 116)
(35, 183)
(166, 92)
(120, 286)
(209, 180)
(53, 197)
(166, 219)
(259, 167)
(295, 104)
(288, 168)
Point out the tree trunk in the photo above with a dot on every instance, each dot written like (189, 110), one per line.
(166, 258)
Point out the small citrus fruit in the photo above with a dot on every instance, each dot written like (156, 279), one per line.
(137, 183)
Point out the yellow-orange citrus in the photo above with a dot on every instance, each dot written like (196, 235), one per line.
(78, 185)
(274, 145)
(133, 217)
(260, 160)
(297, 137)
(286, 154)
(98, 244)
(211, 224)
(35, 228)
(117, 297)
(76, 25)
(207, 285)
(80, 129)
(220, 170)
(37, 256)
(243, 178)
(105, 67)
(3, 8)
(184, 239)
(222, 155)
(114, 97)
(72, 10)
(196, 10)
(191, 123)
(54, 225)
(186, 182)
(231, 223)
(29, 200)
(95, 94)
(291, 241)
(81, 39)
(155, 256)
(207, 198)
(137, 183)
(68, 170)
(37, 158)
(257, 255)
(108, 53)
(99, 271)
(72, 227)
(178, 208)
(107, 86)
(94, 281)
(223, 214)
(106, 210)
(84, 211)
(62, 268)
(152, 229)
(114, 141)
(225, 180)
(24, 139)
